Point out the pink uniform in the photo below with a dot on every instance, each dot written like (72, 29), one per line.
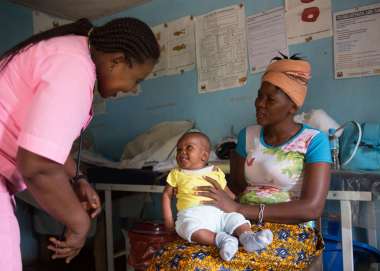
(45, 100)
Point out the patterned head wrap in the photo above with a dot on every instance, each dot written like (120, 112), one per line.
(291, 76)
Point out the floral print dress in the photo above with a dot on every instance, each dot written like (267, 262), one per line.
(273, 174)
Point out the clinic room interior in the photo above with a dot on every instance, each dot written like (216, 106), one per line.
(216, 59)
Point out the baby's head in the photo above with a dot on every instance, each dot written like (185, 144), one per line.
(193, 150)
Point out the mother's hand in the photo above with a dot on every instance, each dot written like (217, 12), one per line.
(218, 197)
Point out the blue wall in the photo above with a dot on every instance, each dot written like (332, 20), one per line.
(177, 98)
(16, 24)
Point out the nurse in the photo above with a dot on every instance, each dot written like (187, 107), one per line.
(46, 92)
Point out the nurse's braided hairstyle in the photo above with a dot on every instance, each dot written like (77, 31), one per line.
(128, 35)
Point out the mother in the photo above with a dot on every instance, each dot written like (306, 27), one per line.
(281, 170)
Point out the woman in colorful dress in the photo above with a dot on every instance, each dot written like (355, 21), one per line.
(281, 172)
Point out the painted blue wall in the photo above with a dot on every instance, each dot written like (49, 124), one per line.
(177, 98)
(16, 24)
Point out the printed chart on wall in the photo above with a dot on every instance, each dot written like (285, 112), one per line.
(160, 68)
(307, 20)
(221, 49)
(43, 22)
(136, 92)
(177, 45)
(357, 42)
(181, 45)
(266, 36)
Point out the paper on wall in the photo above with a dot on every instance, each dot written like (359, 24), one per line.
(43, 22)
(180, 45)
(160, 68)
(357, 42)
(266, 35)
(221, 49)
(121, 94)
(177, 45)
(308, 21)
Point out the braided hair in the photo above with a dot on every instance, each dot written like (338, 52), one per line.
(130, 36)
(283, 56)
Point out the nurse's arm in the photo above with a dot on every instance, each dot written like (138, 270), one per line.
(50, 186)
(70, 166)
(85, 192)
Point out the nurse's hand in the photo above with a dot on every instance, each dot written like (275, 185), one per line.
(218, 197)
(69, 248)
(88, 197)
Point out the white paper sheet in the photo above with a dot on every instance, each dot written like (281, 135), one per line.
(121, 94)
(308, 21)
(177, 43)
(180, 45)
(221, 48)
(266, 34)
(43, 22)
(160, 69)
(357, 42)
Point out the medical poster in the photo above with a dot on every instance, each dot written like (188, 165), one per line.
(160, 68)
(177, 45)
(43, 22)
(357, 42)
(180, 45)
(266, 35)
(307, 20)
(221, 48)
(122, 94)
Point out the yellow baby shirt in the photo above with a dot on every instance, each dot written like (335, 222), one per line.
(187, 181)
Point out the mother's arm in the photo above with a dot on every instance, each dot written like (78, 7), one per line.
(308, 207)
(238, 183)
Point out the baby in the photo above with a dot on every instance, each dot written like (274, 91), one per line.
(205, 224)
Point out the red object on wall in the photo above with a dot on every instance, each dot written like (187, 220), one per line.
(306, 1)
(310, 14)
(145, 240)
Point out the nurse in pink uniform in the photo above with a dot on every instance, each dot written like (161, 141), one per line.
(46, 92)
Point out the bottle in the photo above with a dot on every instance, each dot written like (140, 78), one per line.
(334, 148)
